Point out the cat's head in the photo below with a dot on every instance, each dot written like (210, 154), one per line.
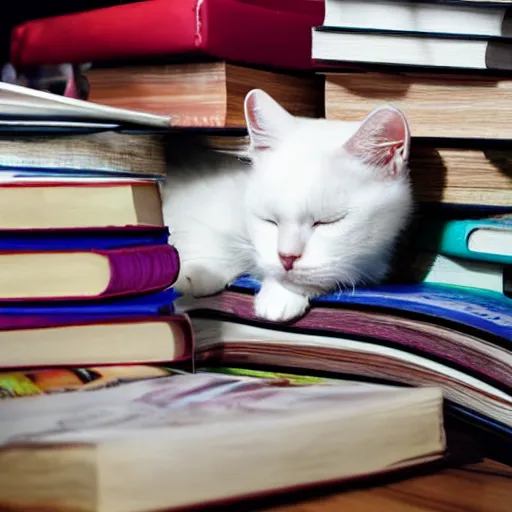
(326, 199)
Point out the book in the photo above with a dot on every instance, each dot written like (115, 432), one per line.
(463, 350)
(47, 381)
(484, 239)
(429, 267)
(200, 93)
(413, 334)
(107, 439)
(25, 104)
(225, 29)
(27, 313)
(79, 203)
(231, 342)
(84, 340)
(103, 153)
(428, 100)
(86, 274)
(477, 310)
(467, 18)
(495, 437)
(81, 238)
(408, 48)
(472, 175)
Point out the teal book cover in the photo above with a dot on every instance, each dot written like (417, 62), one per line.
(488, 239)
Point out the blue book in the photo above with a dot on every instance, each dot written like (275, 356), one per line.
(484, 310)
(158, 303)
(81, 239)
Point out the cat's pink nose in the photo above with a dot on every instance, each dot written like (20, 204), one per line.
(288, 260)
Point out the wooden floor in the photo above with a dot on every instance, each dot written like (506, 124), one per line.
(466, 481)
(482, 487)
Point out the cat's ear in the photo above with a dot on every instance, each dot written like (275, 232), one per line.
(267, 122)
(383, 141)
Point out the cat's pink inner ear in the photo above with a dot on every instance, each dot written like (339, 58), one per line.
(267, 121)
(382, 141)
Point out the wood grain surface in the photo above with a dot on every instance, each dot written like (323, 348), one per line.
(482, 487)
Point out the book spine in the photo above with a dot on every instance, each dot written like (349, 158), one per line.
(141, 269)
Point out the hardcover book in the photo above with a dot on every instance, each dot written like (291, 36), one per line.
(86, 274)
(62, 341)
(224, 29)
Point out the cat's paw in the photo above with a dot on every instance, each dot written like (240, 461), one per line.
(199, 281)
(278, 304)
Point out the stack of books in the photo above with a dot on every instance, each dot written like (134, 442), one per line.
(447, 66)
(187, 74)
(443, 321)
(86, 270)
(445, 315)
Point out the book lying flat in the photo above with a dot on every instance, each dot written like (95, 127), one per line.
(79, 203)
(22, 103)
(430, 102)
(200, 94)
(82, 341)
(479, 310)
(206, 438)
(103, 153)
(409, 48)
(47, 381)
(224, 29)
(430, 267)
(228, 342)
(486, 239)
(454, 337)
(472, 353)
(30, 314)
(471, 176)
(436, 16)
(86, 274)
(81, 238)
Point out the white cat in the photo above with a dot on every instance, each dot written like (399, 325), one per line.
(320, 207)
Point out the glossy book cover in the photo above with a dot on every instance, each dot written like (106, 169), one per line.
(481, 309)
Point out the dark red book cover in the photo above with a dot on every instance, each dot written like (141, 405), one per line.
(269, 33)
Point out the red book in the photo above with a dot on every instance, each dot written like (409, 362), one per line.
(273, 33)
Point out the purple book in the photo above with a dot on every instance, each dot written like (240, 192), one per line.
(63, 275)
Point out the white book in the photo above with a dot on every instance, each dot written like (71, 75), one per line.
(407, 49)
(22, 102)
(445, 17)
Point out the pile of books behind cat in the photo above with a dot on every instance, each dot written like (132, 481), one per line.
(367, 380)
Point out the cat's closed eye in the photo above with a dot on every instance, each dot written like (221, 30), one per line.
(270, 221)
(328, 222)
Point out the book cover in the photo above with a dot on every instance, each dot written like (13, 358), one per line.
(480, 309)
(81, 238)
(86, 274)
(200, 422)
(454, 237)
(231, 342)
(225, 29)
(470, 352)
(157, 303)
(47, 381)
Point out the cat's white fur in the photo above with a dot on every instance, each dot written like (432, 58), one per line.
(336, 193)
